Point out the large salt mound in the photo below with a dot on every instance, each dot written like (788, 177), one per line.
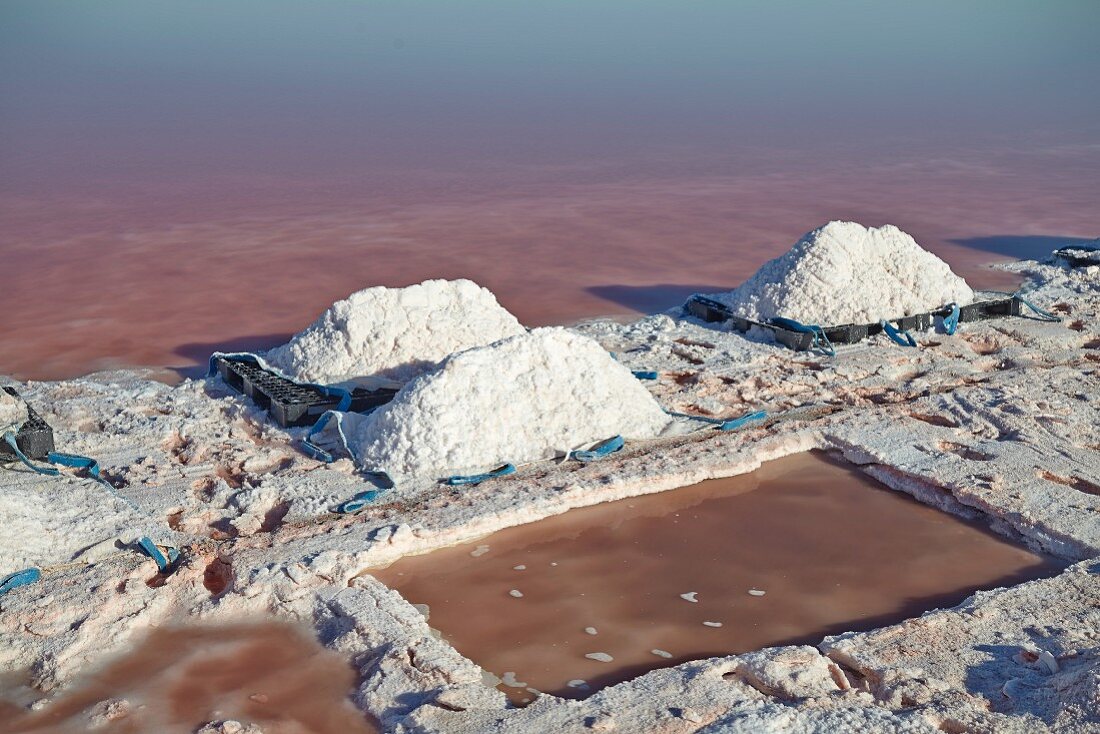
(847, 273)
(394, 333)
(519, 400)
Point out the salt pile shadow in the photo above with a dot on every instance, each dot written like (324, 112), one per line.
(270, 674)
(831, 549)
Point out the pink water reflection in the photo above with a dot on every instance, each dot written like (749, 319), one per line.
(159, 272)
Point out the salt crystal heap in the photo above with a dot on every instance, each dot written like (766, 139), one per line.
(394, 333)
(846, 273)
(522, 399)
(13, 412)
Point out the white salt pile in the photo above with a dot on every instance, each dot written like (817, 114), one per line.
(522, 399)
(394, 333)
(847, 273)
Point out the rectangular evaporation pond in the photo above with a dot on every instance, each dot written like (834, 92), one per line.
(832, 549)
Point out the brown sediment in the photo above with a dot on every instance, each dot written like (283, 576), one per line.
(832, 550)
(270, 674)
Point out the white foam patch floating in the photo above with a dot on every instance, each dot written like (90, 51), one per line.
(522, 399)
(846, 273)
(393, 333)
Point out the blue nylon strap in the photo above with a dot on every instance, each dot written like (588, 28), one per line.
(901, 338)
(316, 451)
(821, 341)
(359, 501)
(600, 450)
(500, 471)
(19, 578)
(75, 461)
(164, 564)
(739, 422)
(951, 321)
(646, 374)
(1040, 312)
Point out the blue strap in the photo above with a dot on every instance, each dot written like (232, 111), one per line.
(359, 501)
(77, 461)
(738, 422)
(316, 451)
(19, 578)
(901, 338)
(150, 549)
(820, 340)
(500, 471)
(600, 450)
(1043, 314)
(951, 321)
(646, 374)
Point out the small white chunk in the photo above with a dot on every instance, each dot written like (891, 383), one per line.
(590, 630)
(602, 657)
(756, 592)
(516, 593)
(661, 653)
(520, 567)
(713, 624)
(690, 596)
(479, 551)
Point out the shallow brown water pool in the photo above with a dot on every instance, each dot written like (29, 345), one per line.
(831, 549)
(270, 674)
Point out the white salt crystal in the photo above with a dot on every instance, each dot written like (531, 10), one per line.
(757, 592)
(395, 333)
(602, 657)
(527, 396)
(661, 653)
(590, 630)
(713, 624)
(520, 567)
(479, 551)
(690, 596)
(516, 593)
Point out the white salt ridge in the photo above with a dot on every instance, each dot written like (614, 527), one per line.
(847, 273)
(394, 333)
(522, 399)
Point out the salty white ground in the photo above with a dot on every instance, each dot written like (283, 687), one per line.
(394, 333)
(845, 273)
(998, 422)
(528, 398)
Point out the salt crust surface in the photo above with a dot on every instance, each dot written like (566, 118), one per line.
(394, 333)
(13, 412)
(846, 273)
(997, 423)
(523, 399)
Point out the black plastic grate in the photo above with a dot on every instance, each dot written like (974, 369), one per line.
(34, 437)
(711, 311)
(289, 403)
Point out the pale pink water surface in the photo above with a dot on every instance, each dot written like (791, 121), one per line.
(175, 178)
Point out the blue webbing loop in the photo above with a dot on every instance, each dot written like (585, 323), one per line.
(646, 374)
(501, 471)
(820, 340)
(951, 321)
(901, 338)
(316, 451)
(736, 423)
(1043, 314)
(150, 549)
(600, 450)
(49, 471)
(359, 501)
(19, 578)
(76, 461)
